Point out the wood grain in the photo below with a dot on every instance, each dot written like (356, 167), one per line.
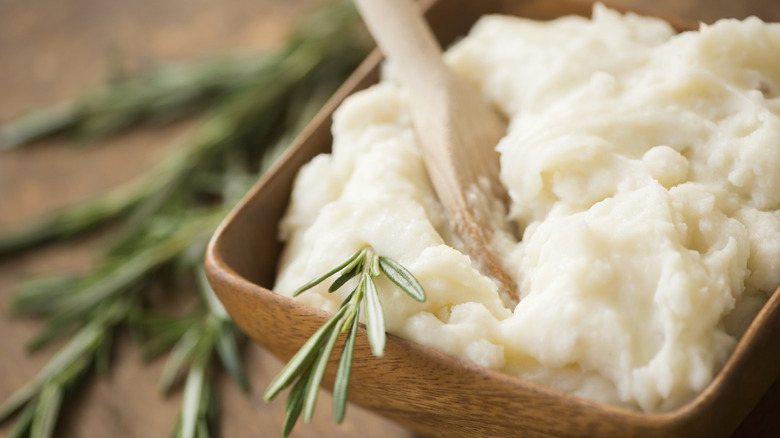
(53, 50)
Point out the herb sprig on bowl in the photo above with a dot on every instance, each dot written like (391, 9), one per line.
(308, 365)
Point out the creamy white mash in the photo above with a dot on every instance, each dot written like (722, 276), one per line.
(644, 173)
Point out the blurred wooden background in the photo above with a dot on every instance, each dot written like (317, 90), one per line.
(51, 50)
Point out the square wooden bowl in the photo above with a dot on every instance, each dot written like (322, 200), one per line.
(420, 388)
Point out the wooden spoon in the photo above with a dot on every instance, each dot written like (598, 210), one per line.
(456, 129)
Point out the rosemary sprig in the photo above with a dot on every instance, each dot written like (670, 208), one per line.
(308, 365)
(164, 218)
(317, 57)
(171, 91)
(41, 398)
(163, 94)
(193, 353)
(67, 307)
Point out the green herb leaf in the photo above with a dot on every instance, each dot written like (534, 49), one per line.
(355, 258)
(305, 356)
(294, 405)
(193, 393)
(227, 348)
(46, 412)
(402, 278)
(375, 317)
(19, 398)
(348, 274)
(341, 382)
(23, 421)
(182, 352)
(318, 371)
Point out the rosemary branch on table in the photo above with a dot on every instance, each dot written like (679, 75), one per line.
(250, 107)
(243, 121)
(160, 95)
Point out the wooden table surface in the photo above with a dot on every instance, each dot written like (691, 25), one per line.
(51, 50)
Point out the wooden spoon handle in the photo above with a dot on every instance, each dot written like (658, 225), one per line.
(457, 131)
(404, 37)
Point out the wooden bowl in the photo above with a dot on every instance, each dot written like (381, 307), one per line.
(420, 388)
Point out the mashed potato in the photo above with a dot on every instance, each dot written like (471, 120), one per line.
(643, 172)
